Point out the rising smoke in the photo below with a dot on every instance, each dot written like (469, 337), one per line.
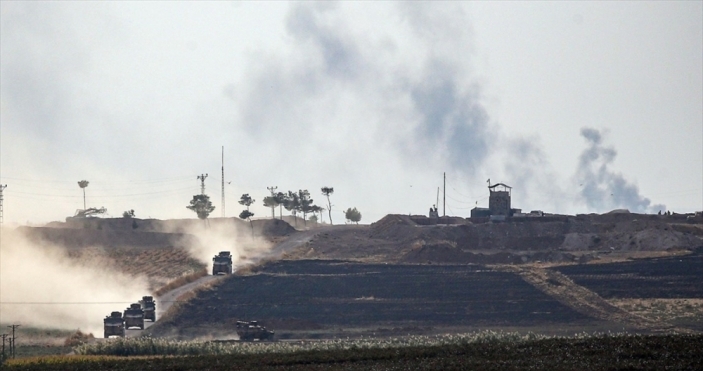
(602, 188)
(413, 91)
(41, 286)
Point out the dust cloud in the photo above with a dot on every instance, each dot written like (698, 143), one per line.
(40, 286)
(221, 234)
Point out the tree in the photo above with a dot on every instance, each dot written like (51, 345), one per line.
(128, 214)
(272, 202)
(246, 215)
(313, 219)
(353, 215)
(292, 204)
(201, 205)
(83, 184)
(327, 191)
(317, 209)
(246, 200)
(281, 200)
(305, 204)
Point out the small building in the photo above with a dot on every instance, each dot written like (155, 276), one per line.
(480, 212)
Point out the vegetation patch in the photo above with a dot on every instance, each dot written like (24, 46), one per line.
(478, 351)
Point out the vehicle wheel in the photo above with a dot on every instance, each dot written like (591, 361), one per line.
(141, 327)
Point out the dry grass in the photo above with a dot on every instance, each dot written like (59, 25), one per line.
(662, 309)
(161, 265)
(183, 280)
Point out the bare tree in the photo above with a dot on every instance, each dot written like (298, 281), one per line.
(327, 191)
(83, 184)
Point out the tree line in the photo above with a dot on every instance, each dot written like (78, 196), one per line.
(299, 202)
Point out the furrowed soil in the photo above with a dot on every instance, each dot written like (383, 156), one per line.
(336, 298)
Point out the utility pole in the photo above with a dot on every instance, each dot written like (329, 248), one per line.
(202, 177)
(12, 341)
(444, 196)
(2, 357)
(223, 181)
(1, 208)
(437, 202)
(273, 194)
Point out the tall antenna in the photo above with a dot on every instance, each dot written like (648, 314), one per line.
(202, 177)
(437, 203)
(444, 196)
(1, 212)
(223, 181)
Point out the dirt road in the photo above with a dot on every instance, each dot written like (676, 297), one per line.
(166, 301)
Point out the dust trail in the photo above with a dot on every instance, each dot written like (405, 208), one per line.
(221, 234)
(41, 286)
(602, 188)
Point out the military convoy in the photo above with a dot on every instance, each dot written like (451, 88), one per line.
(134, 316)
(250, 331)
(114, 325)
(149, 307)
(222, 263)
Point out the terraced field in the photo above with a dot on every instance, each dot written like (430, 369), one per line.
(341, 295)
(670, 277)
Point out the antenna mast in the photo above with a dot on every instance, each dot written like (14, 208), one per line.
(444, 196)
(223, 181)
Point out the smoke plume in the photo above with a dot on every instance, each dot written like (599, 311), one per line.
(602, 188)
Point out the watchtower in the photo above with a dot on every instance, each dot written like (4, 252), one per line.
(499, 199)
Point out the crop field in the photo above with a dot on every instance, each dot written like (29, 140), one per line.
(482, 351)
(331, 294)
(674, 277)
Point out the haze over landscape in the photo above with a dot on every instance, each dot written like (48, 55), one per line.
(581, 107)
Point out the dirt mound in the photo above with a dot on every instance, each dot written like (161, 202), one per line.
(392, 227)
(447, 253)
(272, 228)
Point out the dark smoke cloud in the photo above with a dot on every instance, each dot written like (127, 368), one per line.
(441, 115)
(602, 188)
(452, 121)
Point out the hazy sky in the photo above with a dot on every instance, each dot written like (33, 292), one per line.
(580, 106)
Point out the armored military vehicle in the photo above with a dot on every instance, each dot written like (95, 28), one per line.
(149, 307)
(222, 263)
(114, 325)
(134, 316)
(250, 331)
